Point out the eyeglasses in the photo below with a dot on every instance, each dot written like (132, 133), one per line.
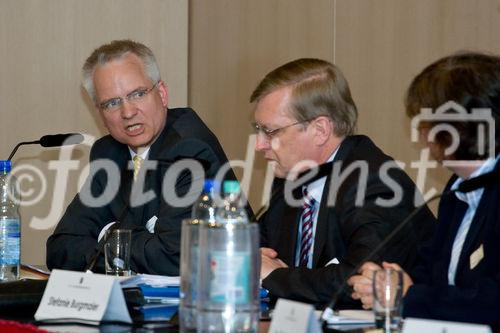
(133, 97)
(270, 133)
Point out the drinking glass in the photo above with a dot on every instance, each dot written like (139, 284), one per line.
(387, 299)
(117, 252)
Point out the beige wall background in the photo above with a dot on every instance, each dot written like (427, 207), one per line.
(380, 45)
(212, 54)
(43, 46)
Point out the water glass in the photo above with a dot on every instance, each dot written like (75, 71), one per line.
(117, 252)
(387, 299)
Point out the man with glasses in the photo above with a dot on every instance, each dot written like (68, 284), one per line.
(317, 230)
(123, 80)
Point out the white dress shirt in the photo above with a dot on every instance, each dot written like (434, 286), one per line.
(315, 190)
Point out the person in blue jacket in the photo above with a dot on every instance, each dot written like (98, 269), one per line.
(458, 277)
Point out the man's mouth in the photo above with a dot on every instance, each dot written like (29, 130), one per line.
(133, 129)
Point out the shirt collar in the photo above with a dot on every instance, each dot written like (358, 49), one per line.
(143, 155)
(315, 189)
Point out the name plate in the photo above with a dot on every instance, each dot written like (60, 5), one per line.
(414, 325)
(77, 296)
(291, 316)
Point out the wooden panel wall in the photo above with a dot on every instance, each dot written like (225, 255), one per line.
(379, 44)
(43, 46)
(232, 45)
(382, 45)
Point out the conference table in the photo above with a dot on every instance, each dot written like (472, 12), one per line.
(23, 314)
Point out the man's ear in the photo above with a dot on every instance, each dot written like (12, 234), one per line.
(323, 129)
(162, 89)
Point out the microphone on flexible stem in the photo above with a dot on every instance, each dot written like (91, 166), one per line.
(485, 180)
(55, 140)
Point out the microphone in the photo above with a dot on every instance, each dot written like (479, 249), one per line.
(485, 180)
(56, 140)
(328, 311)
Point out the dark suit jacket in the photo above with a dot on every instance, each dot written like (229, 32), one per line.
(476, 294)
(75, 238)
(344, 231)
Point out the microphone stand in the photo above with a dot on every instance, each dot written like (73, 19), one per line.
(55, 140)
(329, 309)
(485, 180)
(21, 144)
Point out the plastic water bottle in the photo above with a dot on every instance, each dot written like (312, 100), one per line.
(203, 212)
(10, 225)
(228, 299)
(204, 208)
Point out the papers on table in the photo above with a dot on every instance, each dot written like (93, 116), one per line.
(34, 272)
(151, 280)
(152, 297)
(350, 317)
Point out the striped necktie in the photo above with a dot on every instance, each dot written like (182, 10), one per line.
(137, 165)
(307, 228)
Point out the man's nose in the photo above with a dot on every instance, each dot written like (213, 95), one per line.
(262, 142)
(128, 110)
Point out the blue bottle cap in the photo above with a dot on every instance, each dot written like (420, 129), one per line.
(231, 186)
(211, 184)
(5, 166)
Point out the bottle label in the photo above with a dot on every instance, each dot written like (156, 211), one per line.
(10, 242)
(230, 275)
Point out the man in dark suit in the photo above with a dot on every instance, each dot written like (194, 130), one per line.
(314, 234)
(150, 195)
(458, 274)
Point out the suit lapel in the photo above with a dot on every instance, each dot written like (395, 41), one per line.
(130, 214)
(288, 235)
(322, 227)
(153, 178)
(321, 233)
(122, 157)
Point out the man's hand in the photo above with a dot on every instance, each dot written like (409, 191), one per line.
(407, 281)
(269, 262)
(268, 252)
(362, 284)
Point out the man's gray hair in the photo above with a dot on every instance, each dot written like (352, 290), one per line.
(115, 50)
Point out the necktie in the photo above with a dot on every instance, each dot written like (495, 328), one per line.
(307, 224)
(137, 165)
